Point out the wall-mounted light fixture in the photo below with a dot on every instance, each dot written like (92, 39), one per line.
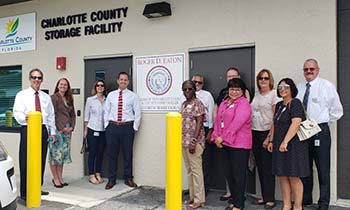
(159, 9)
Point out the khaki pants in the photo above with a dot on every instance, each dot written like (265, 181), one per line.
(193, 163)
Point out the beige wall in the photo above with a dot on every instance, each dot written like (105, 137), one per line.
(284, 33)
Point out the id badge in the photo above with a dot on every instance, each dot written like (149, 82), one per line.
(317, 142)
(222, 124)
(96, 133)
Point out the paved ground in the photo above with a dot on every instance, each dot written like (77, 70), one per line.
(82, 195)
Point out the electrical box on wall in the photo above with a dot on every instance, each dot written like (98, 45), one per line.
(61, 63)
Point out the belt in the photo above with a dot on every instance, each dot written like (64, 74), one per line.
(121, 123)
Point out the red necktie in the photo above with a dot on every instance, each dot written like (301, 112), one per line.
(120, 106)
(37, 102)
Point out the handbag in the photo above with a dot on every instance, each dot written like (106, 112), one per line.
(308, 128)
(84, 147)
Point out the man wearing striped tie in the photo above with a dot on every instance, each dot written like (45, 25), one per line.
(321, 102)
(122, 117)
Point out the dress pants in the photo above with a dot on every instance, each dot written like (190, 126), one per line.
(96, 146)
(322, 156)
(23, 158)
(263, 160)
(235, 169)
(193, 163)
(207, 159)
(120, 136)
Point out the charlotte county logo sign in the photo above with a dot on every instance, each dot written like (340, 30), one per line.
(159, 80)
(11, 28)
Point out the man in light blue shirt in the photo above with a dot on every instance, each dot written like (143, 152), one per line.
(322, 103)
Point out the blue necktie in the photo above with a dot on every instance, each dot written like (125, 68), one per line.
(306, 96)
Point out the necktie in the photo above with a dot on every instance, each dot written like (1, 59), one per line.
(37, 102)
(120, 106)
(306, 96)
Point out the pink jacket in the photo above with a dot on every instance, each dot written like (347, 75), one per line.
(233, 124)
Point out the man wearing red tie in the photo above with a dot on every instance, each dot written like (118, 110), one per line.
(122, 117)
(28, 100)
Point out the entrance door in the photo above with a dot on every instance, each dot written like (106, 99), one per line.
(212, 65)
(107, 69)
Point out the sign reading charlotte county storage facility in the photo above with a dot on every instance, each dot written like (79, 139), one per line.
(159, 80)
(17, 33)
(84, 24)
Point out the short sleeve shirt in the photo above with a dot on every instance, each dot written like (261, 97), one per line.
(189, 113)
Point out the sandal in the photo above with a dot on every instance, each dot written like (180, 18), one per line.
(196, 205)
(270, 205)
(260, 202)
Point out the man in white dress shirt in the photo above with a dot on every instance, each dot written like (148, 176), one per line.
(208, 102)
(122, 116)
(25, 102)
(322, 103)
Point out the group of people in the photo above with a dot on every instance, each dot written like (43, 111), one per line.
(268, 126)
(235, 123)
(109, 120)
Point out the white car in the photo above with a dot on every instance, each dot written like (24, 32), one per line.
(8, 192)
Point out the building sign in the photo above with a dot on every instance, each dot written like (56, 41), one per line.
(17, 33)
(84, 24)
(159, 80)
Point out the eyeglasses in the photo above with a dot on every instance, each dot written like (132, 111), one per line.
(307, 69)
(36, 78)
(264, 78)
(187, 89)
(100, 85)
(285, 87)
(199, 82)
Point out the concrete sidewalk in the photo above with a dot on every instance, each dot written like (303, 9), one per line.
(80, 194)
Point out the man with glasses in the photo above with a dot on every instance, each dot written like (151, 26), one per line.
(208, 102)
(322, 103)
(29, 100)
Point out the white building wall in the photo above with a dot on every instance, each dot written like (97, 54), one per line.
(284, 33)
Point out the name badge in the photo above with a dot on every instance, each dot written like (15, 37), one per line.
(317, 142)
(96, 133)
(222, 124)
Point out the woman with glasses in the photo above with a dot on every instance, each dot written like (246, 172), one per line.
(290, 158)
(263, 106)
(193, 140)
(59, 153)
(94, 130)
(232, 133)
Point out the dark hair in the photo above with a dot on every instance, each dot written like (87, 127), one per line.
(189, 82)
(293, 87)
(237, 83)
(94, 91)
(123, 73)
(235, 69)
(68, 94)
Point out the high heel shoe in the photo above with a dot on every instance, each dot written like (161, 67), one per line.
(99, 178)
(56, 185)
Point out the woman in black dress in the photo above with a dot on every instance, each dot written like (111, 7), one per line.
(290, 159)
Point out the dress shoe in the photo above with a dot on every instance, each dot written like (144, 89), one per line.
(130, 183)
(109, 185)
(224, 198)
(64, 184)
(55, 185)
(44, 193)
